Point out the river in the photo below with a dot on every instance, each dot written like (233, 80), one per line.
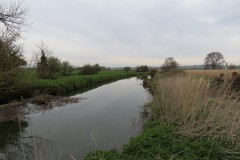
(106, 119)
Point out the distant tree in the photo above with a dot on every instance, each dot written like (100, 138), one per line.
(54, 64)
(43, 69)
(169, 64)
(127, 69)
(66, 68)
(214, 60)
(89, 69)
(97, 68)
(232, 66)
(142, 68)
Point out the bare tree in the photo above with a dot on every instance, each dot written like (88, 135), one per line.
(169, 64)
(36, 57)
(13, 19)
(214, 60)
(43, 69)
(12, 22)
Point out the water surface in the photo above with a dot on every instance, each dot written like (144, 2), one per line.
(106, 119)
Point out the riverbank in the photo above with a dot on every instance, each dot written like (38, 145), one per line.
(64, 84)
(184, 120)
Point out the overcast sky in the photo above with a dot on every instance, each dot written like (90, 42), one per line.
(134, 32)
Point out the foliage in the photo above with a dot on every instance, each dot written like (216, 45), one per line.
(142, 68)
(213, 60)
(170, 64)
(11, 59)
(153, 72)
(66, 68)
(104, 155)
(48, 65)
(54, 64)
(127, 69)
(43, 69)
(12, 21)
(233, 66)
(89, 69)
(63, 84)
(160, 142)
(97, 68)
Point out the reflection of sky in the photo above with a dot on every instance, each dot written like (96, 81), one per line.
(107, 114)
(134, 32)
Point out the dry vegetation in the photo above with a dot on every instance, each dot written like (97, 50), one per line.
(210, 73)
(197, 110)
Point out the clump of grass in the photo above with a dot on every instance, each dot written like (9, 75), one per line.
(191, 106)
(104, 155)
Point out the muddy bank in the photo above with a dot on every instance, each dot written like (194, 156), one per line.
(19, 109)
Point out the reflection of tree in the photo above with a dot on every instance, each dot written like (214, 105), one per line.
(10, 132)
(19, 145)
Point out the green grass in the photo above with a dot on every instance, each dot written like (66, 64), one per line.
(160, 142)
(63, 84)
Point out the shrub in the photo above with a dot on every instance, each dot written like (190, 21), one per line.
(153, 72)
(66, 68)
(89, 69)
(143, 68)
(127, 69)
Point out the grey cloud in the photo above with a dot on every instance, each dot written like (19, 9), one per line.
(136, 30)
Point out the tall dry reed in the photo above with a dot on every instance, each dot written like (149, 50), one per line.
(196, 109)
(210, 73)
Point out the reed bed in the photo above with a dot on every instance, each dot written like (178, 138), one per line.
(210, 74)
(197, 110)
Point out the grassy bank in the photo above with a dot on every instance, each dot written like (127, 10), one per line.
(63, 84)
(185, 120)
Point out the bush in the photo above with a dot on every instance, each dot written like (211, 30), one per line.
(143, 68)
(11, 60)
(66, 68)
(89, 69)
(127, 69)
(104, 155)
(153, 72)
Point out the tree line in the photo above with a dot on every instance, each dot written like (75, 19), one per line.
(213, 60)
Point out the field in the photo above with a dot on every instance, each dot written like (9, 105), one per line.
(210, 74)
